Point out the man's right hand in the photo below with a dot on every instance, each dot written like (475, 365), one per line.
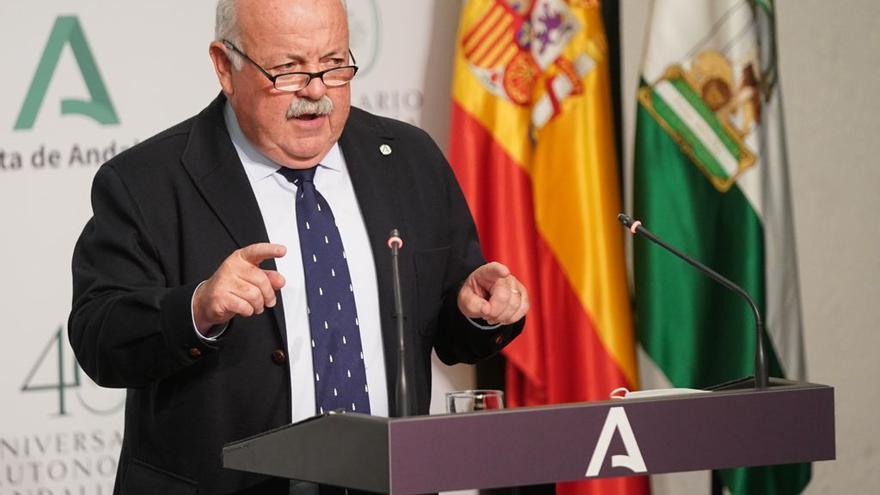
(238, 287)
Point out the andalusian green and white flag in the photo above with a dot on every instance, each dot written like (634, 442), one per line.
(711, 177)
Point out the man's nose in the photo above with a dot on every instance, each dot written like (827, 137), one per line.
(314, 90)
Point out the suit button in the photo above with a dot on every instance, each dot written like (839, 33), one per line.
(278, 357)
(499, 339)
(194, 352)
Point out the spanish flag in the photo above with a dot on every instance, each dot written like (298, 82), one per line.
(532, 146)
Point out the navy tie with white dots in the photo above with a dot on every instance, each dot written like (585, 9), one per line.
(337, 354)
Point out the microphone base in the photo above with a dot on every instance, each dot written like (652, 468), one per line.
(748, 383)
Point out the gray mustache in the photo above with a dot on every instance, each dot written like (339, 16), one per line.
(303, 106)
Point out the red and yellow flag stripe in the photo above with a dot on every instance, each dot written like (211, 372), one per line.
(533, 148)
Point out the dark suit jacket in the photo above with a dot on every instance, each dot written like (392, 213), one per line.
(166, 214)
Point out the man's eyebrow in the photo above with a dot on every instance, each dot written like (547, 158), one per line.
(290, 57)
(299, 59)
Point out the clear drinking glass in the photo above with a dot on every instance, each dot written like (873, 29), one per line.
(460, 401)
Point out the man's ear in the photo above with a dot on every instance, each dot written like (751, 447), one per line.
(222, 66)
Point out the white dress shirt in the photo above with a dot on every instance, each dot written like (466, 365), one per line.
(276, 198)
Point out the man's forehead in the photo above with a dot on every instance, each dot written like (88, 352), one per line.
(257, 16)
(280, 6)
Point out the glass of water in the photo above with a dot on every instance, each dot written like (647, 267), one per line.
(460, 401)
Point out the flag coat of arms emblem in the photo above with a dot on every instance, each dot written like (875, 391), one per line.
(711, 177)
(532, 146)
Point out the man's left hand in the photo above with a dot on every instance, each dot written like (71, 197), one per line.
(492, 293)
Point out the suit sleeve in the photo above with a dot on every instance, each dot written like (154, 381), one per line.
(126, 327)
(459, 340)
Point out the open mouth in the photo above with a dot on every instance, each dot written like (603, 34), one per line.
(307, 116)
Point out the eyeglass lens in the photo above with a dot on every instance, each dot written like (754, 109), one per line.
(333, 77)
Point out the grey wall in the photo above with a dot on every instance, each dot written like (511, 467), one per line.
(830, 76)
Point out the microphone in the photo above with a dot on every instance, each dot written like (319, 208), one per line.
(761, 378)
(401, 389)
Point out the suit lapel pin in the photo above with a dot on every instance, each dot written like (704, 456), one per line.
(385, 149)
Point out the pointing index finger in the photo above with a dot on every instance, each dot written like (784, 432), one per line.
(492, 272)
(256, 253)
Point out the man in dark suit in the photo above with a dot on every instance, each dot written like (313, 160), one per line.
(195, 234)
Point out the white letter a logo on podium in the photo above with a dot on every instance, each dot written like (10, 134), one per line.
(633, 461)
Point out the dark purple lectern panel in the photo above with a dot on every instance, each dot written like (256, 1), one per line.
(673, 434)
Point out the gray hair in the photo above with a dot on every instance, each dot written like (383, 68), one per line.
(226, 28)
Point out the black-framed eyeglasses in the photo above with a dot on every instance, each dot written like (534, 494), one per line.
(295, 81)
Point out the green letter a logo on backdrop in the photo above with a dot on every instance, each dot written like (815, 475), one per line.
(67, 30)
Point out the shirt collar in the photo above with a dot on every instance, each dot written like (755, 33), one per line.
(258, 166)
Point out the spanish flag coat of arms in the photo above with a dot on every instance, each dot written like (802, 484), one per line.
(532, 145)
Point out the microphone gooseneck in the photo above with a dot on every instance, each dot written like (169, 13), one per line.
(401, 389)
(761, 376)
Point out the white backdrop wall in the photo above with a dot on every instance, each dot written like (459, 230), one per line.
(152, 59)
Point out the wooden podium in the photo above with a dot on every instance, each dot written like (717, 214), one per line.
(786, 423)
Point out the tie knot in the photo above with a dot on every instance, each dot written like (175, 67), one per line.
(298, 175)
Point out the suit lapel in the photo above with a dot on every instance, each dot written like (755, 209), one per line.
(212, 162)
(376, 177)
